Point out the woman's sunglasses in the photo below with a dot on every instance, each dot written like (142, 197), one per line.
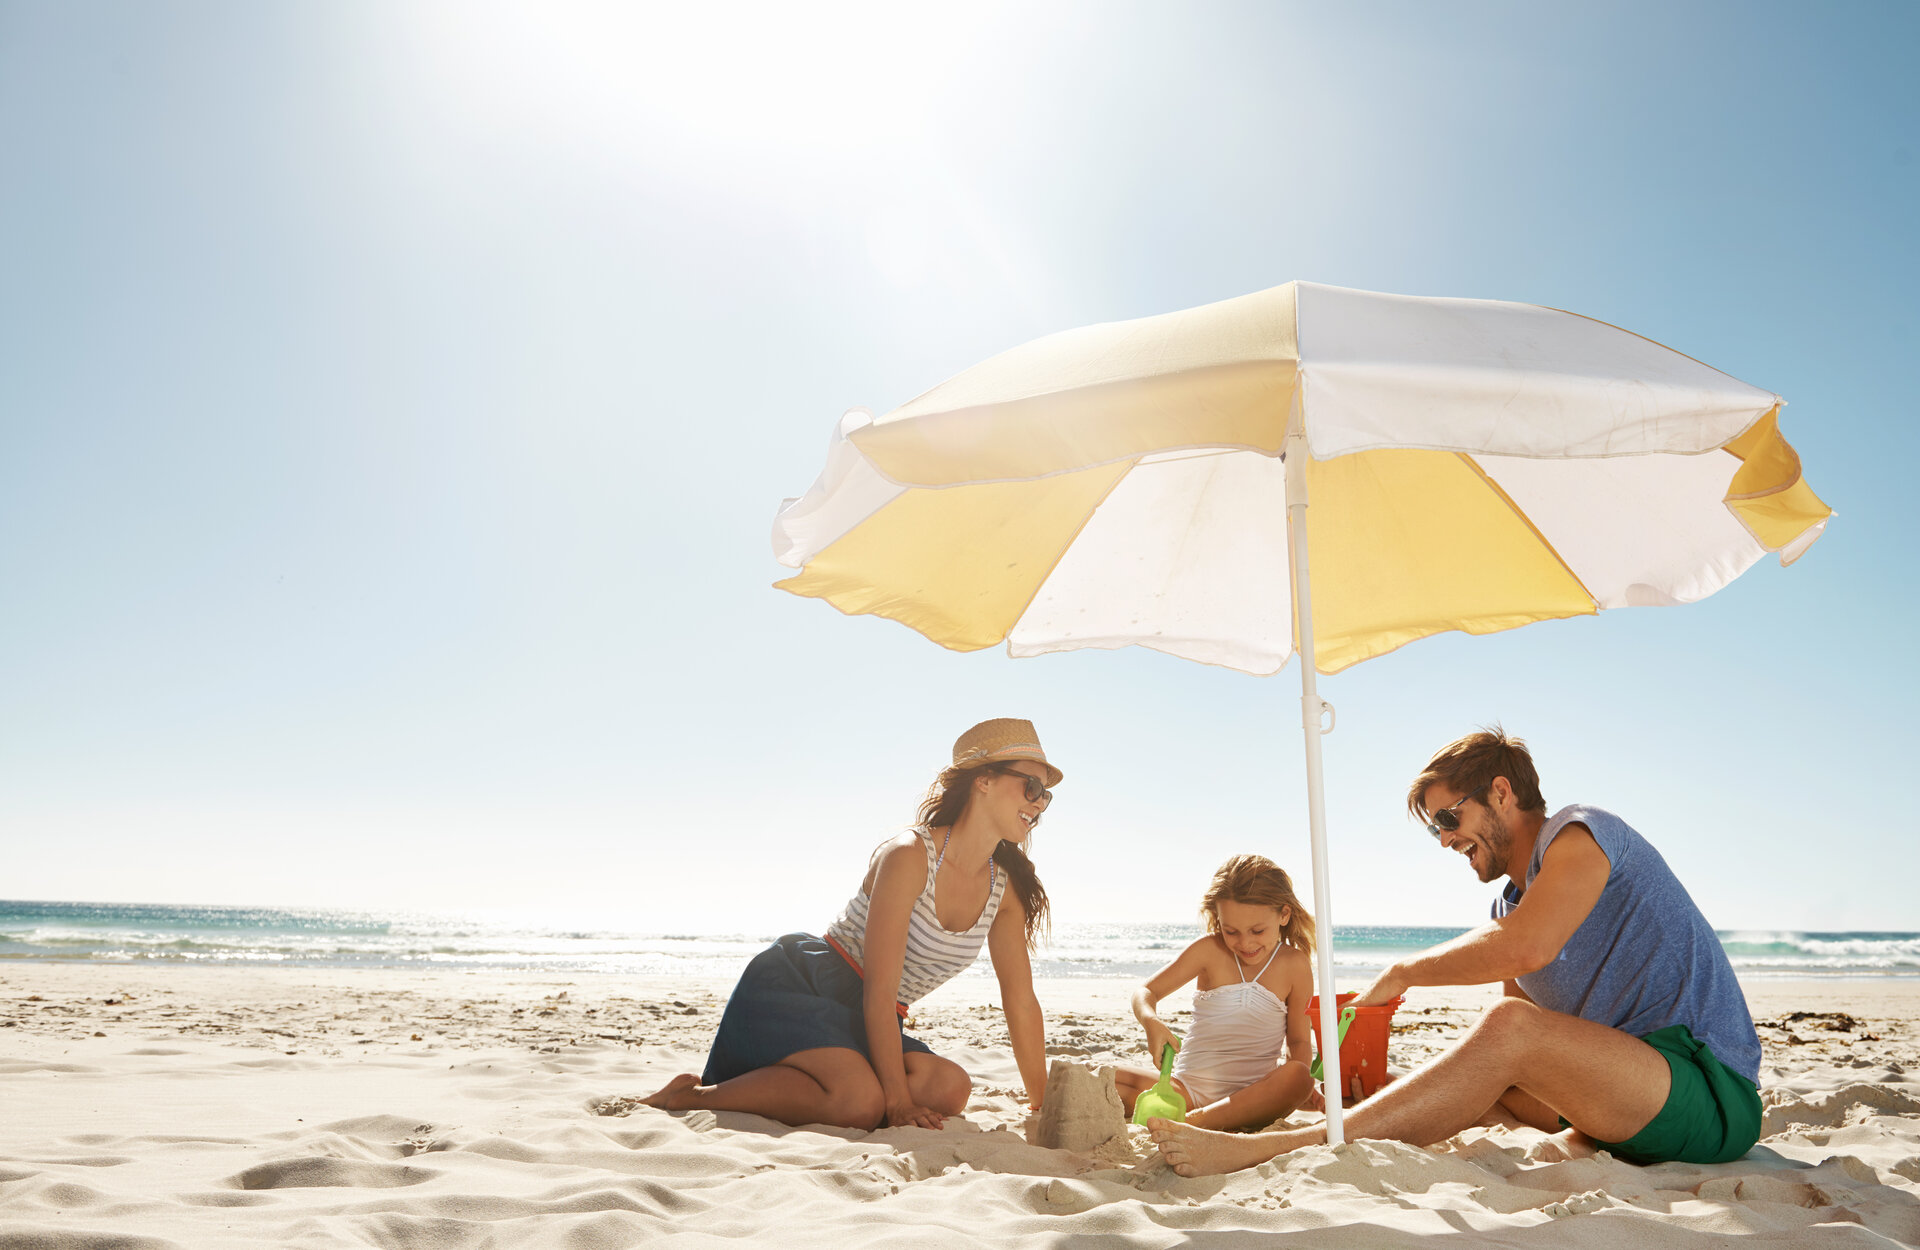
(1447, 819)
(1037, 791)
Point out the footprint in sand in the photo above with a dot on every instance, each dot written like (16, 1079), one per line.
(314, 1173)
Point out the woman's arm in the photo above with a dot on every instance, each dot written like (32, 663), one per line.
(1026, 1027)
(897, 881)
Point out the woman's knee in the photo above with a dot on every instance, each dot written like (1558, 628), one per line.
(857, 1102)
(942, 1085)
(951, 1089)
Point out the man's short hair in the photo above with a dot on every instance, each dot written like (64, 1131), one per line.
(1467, 764)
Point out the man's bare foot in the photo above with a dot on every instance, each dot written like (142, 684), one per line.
(672, 1095)
(1559, 1147)
(1194, 1151)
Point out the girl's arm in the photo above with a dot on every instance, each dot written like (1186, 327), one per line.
(1299, 1019)
(1299, 971)
(1147, 996)
(898, 879)
(1026, 1027)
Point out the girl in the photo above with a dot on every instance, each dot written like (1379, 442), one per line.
(1255, 978)
(812, 1033)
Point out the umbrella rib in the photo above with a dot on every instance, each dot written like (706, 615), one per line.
(1159, 454)
(1656, 342)
(1521, 515)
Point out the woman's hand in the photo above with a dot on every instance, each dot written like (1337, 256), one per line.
(1159, 1036)
(909, 1113)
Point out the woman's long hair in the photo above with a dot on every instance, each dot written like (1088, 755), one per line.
(946, 799)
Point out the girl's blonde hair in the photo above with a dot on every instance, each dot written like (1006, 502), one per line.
(1257, 881)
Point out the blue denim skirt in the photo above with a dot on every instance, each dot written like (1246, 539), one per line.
(798, 994)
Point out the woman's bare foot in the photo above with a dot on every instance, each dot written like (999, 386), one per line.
(1194, 1151)
(672, 1095)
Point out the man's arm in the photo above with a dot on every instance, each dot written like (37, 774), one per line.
(1572, 874)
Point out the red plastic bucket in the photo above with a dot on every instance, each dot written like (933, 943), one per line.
(1363, 1055)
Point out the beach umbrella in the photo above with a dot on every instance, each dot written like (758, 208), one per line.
(1449, 464)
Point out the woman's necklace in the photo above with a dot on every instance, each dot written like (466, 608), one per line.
(993, 869)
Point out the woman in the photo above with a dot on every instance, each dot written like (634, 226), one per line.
(812, 1034)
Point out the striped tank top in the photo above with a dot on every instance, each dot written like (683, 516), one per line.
(934, 955)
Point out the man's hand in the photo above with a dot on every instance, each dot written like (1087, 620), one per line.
(1388, 985)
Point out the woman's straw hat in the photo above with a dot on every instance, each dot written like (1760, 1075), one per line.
(992, 741)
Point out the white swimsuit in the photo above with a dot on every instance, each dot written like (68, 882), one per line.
(1238, 1034)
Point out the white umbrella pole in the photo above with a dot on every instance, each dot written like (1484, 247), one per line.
(1316, 718)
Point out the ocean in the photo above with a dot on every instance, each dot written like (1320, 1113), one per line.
(260, 936)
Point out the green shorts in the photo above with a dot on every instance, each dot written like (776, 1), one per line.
(1712, 1114)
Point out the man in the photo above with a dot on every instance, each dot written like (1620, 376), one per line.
(1622, 1019)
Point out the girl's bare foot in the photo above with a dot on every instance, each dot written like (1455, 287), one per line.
(672, 1095)
(1202, 1152)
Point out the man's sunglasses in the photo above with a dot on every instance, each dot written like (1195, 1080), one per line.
(1037, 791)
(1447, 819)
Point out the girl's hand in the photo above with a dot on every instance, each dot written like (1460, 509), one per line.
(1159, 1036)
(903, 1114)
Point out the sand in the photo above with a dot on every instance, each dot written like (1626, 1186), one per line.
(198, 1107)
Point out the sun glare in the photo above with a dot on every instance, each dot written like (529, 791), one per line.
(868, 116)
(797, 78)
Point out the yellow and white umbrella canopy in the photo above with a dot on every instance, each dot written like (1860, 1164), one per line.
(1473, 465)
(1470, 464)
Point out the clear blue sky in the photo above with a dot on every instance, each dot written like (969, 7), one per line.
(395, 399)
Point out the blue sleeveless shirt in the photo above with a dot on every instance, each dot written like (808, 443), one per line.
(1644, 958)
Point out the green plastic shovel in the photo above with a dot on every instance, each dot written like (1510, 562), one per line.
(1163, 1101)
(1346, 1018)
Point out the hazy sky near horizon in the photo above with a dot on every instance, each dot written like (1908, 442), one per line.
(395, 399)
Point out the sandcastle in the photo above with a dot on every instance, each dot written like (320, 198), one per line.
(1081, 1108)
